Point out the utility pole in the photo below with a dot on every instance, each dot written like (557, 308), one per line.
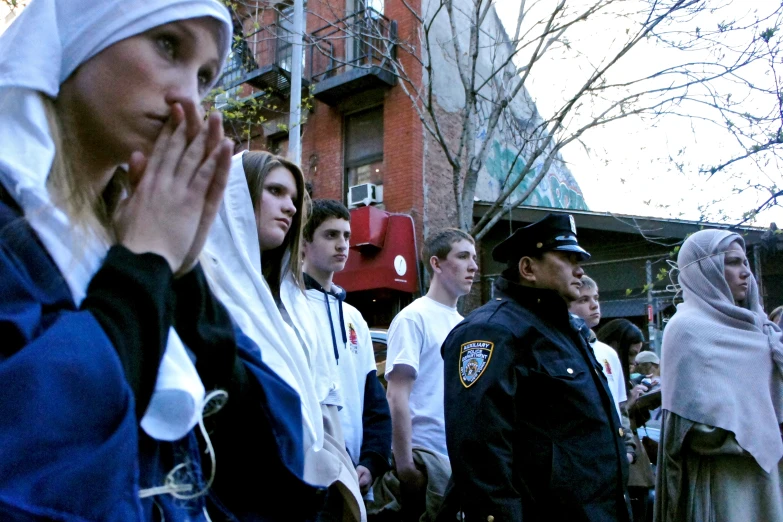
(297, 55)
(651, 309)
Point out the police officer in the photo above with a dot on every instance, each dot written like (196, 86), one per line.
(531, 428)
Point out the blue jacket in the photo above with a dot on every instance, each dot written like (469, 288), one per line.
(76, 380)
(531, 427)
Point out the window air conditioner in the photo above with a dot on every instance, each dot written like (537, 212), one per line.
(364, 194)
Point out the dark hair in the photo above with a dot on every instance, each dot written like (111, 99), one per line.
(320, 211)
(620, 334)
(257, 165)
(439, 244)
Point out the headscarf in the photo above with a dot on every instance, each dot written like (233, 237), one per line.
(722, 364)
(38, 52)
(232, 263)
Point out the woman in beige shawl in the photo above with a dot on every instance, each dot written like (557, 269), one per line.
(722, 363)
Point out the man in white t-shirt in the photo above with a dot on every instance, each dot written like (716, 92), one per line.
(414, 364)
(588, 309)
(342, 331)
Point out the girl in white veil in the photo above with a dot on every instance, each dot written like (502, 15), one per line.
(722, 386)
(112, 343)
(254, 266)
(110, 178)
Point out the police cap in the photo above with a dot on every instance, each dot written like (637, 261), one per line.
(554, 232)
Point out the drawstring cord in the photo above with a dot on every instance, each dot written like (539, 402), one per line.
(213, 403)
(342, 321)
(331, 325)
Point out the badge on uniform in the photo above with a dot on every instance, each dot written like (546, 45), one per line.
(474, 358)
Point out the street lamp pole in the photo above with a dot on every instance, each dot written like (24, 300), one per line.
(297, 55)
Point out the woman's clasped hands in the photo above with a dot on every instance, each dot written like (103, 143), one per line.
(177, 190)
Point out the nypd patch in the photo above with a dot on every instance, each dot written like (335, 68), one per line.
(474, 358)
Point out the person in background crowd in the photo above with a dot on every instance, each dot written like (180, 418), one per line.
(588, 309)
(414, 372)
(648, 365)
(365, 417)
(253, 258)
(721, 451)
(627, 339)
(776, 315)
(532, 430)
(111, 336)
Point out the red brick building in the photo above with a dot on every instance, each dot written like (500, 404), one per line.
(361, 128)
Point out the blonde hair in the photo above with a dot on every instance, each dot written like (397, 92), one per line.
(588, 283)
(275, 264)
(74, 193)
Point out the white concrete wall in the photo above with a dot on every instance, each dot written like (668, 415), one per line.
(558, 189)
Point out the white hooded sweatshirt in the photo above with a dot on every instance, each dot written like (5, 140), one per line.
(232, 264)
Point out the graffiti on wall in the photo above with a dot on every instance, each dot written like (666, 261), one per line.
(558, 189)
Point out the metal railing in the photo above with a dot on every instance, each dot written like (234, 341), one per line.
(267, 45)
(241, 61)
(366, 39)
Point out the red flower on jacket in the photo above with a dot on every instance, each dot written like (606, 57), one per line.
(353, 338)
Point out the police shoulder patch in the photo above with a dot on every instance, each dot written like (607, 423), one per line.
(474, 358)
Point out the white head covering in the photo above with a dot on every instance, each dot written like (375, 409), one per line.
(722, 364)
(39, 51)
(232, 261)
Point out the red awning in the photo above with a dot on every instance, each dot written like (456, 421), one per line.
(383, 252)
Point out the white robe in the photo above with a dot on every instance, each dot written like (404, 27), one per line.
(232, 264)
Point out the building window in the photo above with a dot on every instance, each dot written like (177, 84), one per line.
(285, 36)
(375, 5)
(240, 62)
(278, 144)
(364, 148)
(285, 32)
(367, 25)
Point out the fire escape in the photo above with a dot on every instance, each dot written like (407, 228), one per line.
(352, 55)
(342, 59)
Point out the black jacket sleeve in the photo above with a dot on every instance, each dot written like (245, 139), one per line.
(480, 425)
(259, 430)
(376, 428)
(130, 298)
(205, 327)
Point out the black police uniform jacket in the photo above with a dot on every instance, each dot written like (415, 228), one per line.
(531, 426)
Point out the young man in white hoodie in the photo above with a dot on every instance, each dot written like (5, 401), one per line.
(341, 329)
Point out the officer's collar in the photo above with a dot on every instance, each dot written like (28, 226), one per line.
(537, 299)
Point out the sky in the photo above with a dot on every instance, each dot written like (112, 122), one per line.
(628, 167)
(625, 167)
